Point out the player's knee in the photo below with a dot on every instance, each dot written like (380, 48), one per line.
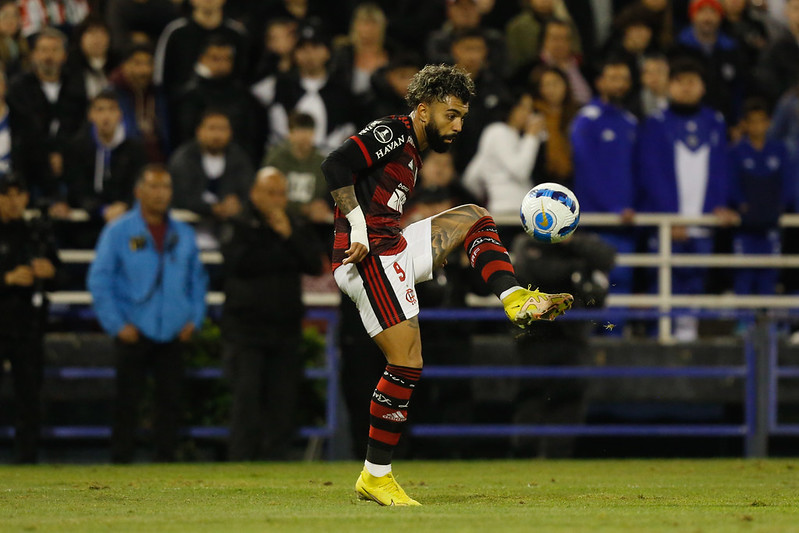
(477, 211)
(412, 359)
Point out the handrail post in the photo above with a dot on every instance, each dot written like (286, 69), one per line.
(664, 281)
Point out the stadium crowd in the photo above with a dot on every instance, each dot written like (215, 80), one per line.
(683, 106)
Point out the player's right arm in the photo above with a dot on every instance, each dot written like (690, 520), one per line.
(359, 152)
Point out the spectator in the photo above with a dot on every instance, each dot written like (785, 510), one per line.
(470, 52)
(681, 167)
(300, 163)
(501, 170)
(785, 127)
(364, 50)
(779, 67)
(524, 33)
(6, 139)
(14, 50)
(183, 40)
(762, 188)
(211, 174)
(464, 16)
(556, 51)
(90, 55)
(439, 189)
(390, 85)
(213, 86)
(101, 163)
(311, 89)
(138, 22)
(603, 138)
(28, 261)
(262, 319)
(280, 39)
(552, 98)
(47, 107)
(704, 41)
(148, 286)
(39, 15)
(654, 93)
(632, 44)
(144, 106)
(658, 16)
(749, 27)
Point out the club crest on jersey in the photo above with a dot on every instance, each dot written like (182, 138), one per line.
(410, 295)
(383, 134)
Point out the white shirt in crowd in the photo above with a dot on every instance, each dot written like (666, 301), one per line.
(500, 170)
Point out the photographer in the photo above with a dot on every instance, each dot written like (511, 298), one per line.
(28, 260)
(582, 264)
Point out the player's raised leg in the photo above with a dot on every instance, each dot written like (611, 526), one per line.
(473, 227)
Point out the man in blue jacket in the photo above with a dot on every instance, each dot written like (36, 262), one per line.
(603, 141)
(681, 165)
(148, 287)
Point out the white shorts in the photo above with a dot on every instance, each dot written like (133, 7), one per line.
(382, 286)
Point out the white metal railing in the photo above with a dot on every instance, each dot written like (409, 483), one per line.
(663, 260)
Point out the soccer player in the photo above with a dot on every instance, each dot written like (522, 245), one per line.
(377, 264)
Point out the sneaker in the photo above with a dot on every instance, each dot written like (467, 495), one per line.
(384, 490)
(525, 306)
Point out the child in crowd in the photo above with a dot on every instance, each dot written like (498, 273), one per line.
(761, 188)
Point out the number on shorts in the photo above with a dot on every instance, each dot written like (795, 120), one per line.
(399, 271)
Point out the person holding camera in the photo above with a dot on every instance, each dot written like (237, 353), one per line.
(148, 287)
(28, 261)
(500, 173)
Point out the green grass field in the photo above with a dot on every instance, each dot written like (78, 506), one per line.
(484, 496)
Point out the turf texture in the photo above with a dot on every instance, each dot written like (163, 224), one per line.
(481, 496)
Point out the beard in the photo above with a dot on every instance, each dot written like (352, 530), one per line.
(435, 140)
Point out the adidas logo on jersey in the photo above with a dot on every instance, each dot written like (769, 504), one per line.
(396, 416)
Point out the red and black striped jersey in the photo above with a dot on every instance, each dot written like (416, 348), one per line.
(384, 160)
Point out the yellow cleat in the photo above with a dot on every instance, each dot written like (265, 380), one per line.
(384, 490)
(524, 306)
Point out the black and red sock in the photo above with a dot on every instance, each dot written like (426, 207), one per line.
(489, 256)
(389, 411)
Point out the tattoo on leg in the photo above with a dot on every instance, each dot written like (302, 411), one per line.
(449, 229)
(414, 322)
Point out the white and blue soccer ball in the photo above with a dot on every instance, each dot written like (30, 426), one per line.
(550, 212)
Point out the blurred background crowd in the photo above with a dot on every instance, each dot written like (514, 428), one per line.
(681, 106)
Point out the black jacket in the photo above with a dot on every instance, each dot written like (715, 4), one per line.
(778, 70)
(262, 275)
(189, 180)
(80, 166)
(20, 243)
(31, 117)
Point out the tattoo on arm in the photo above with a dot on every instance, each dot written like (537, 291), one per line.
(345, 198)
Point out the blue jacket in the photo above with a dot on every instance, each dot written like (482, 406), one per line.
(603, 140)
(131, 282)
(762, 181)
(658, 139)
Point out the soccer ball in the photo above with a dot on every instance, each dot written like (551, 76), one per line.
(550, 212)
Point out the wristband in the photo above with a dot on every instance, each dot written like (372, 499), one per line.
(358, 231)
